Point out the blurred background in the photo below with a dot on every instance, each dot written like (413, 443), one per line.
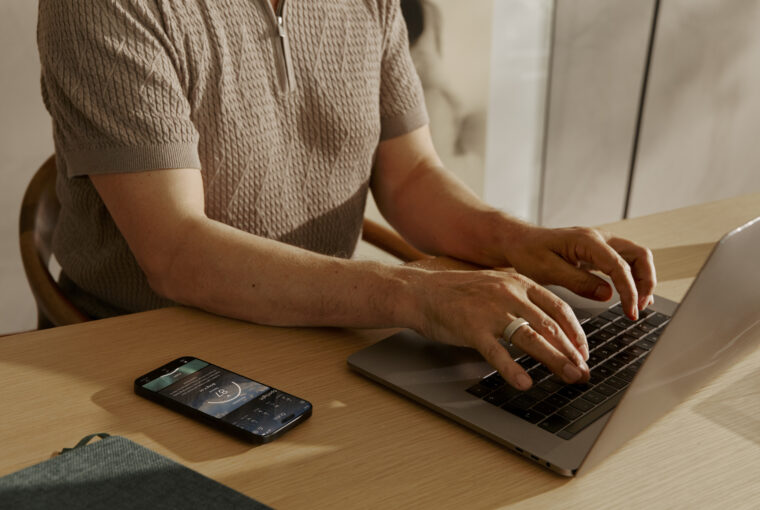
(562, 112)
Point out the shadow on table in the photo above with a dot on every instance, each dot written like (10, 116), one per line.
(736, 407)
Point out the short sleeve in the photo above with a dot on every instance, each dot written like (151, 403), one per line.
(402, 104)
(111, 85)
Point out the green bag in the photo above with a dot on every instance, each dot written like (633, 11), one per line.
(115, 473)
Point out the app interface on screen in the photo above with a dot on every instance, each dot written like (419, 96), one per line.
(206, 387)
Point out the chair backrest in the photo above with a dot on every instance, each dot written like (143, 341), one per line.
(39, 213)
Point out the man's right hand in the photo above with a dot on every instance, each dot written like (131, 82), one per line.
(472, 308)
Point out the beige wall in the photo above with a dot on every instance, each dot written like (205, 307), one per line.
(599, 54)
(25, 142)
(702, 117)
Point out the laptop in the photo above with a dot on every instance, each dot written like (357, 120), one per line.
(639, 369)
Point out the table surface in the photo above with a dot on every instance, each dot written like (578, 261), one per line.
(366, 446)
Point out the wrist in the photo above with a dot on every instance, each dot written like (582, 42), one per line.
(407, 302)
(504, 237)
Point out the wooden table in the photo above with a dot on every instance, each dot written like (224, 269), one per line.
(366, 447)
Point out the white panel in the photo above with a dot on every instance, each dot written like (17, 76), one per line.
(520, 47)
(701, 122)
(599, 55)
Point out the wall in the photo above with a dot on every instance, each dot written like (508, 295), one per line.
(599, 54)
(25, 142)
(699, 138)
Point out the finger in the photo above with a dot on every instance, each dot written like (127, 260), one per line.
(563, 315)
(539, 348)
(642, 266)
(551, 333)
(498, 357)
(594, 249)
(579, 280)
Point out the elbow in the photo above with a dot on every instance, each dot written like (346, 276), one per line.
(169, 268)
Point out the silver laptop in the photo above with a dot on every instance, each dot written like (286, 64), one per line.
(639, 370)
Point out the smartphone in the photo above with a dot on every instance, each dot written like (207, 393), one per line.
(228, 401)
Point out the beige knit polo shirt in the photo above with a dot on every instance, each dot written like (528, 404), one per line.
(282, 112)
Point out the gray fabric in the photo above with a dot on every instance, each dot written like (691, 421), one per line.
(116, 474)
(136, 85)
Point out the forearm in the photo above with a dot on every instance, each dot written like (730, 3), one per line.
(226, 271)
(441, 216)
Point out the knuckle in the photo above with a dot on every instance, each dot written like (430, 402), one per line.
(491, 351)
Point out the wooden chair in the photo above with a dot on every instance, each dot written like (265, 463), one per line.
(39, 213)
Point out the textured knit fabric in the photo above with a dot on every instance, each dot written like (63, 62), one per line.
(283, 124)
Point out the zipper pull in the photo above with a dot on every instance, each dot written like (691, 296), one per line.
(281, 27)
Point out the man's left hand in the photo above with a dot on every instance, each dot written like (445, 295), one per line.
(566, 257)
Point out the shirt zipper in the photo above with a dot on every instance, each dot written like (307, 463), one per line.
(287, 74)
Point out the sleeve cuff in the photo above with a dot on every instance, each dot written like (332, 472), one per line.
(131, 159)
(405, 123)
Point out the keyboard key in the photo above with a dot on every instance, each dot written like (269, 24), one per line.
(603, 370)
(553, 423)
(593, 360)
(646, 344)
(596, 378)
(657, 319)
(615, 345)
(539, 373)
(537, 393)
(590, 418)
(626, 357)
(598, 323)
(604, 334)
(593, 397)
(522, 402)
(617, 310)
(605, 352)
(616, 382)
(582, 405)
(628, 339)
(614, 329)
(570, 413)
(625, 323)
(609, 316)
(588, 328)
(628, 374)
(531, 415)
(644, 328)
(478, 390)
(549, 386)
(556, 400)
(595, 340)
(544, 408)
(636, 350)
(614, 364)
(502, 395)
(605, 389)
(570, 392)
(493, 381)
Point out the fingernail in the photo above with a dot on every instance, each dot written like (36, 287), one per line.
(571, 372)
(643, 302)
(524, 382)
(601, 292)
(584, 351)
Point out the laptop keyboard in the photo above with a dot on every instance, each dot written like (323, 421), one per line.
(617, 348)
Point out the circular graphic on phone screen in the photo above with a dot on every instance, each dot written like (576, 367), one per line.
(228, 394)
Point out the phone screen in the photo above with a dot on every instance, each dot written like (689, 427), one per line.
(227, 396)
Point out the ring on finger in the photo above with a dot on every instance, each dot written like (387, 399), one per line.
(512, 328)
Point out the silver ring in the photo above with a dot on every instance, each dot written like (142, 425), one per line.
(512, 328)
